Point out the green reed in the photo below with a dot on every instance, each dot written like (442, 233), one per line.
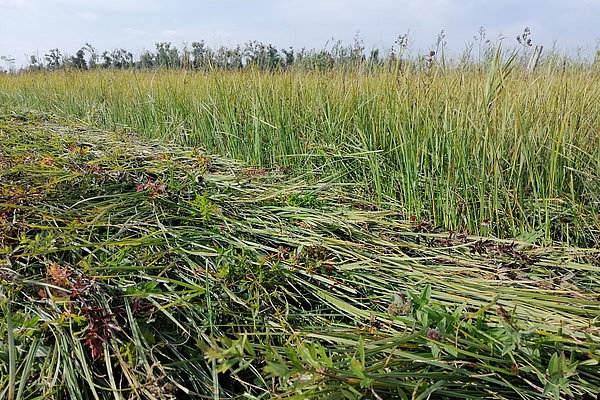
(489, 152)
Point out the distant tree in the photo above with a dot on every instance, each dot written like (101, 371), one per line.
(226, 58)
(174, 58)
(78, 60)
(53, 60)
(289, 56)
(234, 58)
(10, 63)
(320, 61)
(199, 55)
(220, 58)
(273, 58)
(117, 59)
(34, 63)
(147, 60)
(262, 56)
(167, 56)
(121, 59)
(251, 53)
(107, 60)
(255, 54)
(186, 58)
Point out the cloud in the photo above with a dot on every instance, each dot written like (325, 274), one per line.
(28, 25)
(88, 16)
(169, 33)
(10, 3)
(133, 31)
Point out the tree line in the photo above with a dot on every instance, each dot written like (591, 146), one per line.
(255, 54)
(199, 56)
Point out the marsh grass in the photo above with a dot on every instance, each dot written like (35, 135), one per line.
(491, 151)
(137, 268)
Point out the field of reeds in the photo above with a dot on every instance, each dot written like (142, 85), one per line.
(519, 154)
(409, 234)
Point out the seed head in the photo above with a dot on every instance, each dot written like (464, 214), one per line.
(400, 305)
(434, 334)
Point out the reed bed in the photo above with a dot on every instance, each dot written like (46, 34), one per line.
(139, 268)
(489, 152)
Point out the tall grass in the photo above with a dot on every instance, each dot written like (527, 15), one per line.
(487, 152)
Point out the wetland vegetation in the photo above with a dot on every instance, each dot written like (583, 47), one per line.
(380, 228)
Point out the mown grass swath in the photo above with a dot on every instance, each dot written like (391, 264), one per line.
(486, 151)
(134, 268)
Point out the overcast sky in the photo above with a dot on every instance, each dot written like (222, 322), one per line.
(30, 26)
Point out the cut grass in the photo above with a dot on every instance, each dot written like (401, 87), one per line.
(143, 269)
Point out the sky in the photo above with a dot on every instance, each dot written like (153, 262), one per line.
(29, 27)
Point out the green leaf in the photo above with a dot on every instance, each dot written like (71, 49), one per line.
(366, 382)
(276, 369)
(553, 364)
(426, 294)
(435, 351)
(357, 368)
(360, 347)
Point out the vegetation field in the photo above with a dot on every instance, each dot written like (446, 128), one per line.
(384, 233)
(455, 148)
